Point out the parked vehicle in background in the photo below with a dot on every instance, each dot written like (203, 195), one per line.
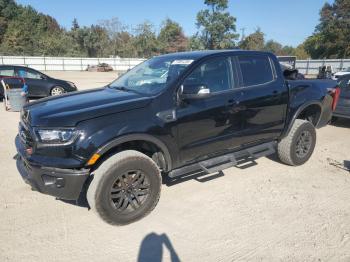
(343, 107)
(289, 61)
(291, 73)
(345, 71)
(325, 72)
(103, 67)
(199, 111)
(39, 84)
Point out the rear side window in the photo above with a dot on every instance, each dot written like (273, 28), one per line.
(256, 69)
(7, 72)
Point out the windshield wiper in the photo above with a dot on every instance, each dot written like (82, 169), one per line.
(125, 89)
(122, 88)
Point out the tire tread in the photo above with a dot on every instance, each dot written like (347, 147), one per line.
(99, 176)
(285, 145)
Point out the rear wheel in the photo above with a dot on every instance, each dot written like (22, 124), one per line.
(57, 90)
(125, 188)
(296, 148)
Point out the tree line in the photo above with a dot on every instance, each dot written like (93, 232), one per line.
(25, 31)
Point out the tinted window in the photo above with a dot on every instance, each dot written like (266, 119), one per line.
(255, 70)
(6, 71)
(215, 74)
(28, 73)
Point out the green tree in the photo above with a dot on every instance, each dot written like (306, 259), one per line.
(145, 40)
(8, 10)
(273, 47)
(115, 29)
(254, 41)
(196, 43)
(172, 38)
(332, 36)
(300, 52)
(95, 41)
(217, 27)
(26, 31)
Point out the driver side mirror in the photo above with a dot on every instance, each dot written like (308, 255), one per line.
(43, 77)
(191, 92)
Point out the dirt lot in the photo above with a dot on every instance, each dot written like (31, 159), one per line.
(267, 212)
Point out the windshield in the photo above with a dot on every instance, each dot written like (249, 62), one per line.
(152, 76)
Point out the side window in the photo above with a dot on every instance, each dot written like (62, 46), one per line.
(28, 73)
(7, 71)
(215, 74)
(345, 83)
(256, 69)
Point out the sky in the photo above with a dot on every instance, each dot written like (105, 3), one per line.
(288, 22)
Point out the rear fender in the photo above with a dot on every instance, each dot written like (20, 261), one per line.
(298, 112)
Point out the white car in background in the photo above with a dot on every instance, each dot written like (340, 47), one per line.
(345, 71)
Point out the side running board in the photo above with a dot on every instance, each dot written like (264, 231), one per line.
(220, 163)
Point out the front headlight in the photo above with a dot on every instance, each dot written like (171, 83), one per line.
(72, 84)
(57, 136)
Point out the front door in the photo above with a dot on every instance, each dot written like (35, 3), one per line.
(202, 124)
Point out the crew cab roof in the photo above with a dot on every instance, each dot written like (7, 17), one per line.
(203, 53)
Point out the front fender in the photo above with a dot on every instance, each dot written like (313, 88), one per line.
(138, 137)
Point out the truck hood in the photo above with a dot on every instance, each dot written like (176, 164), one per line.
(69, 109)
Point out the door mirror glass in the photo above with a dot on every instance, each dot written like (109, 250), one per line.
(43, 77)
(189, 92)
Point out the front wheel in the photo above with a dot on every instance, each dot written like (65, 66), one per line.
(125, 188)
(297, 147)
(57, 90)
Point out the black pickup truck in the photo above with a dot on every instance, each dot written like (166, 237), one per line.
(172, 115)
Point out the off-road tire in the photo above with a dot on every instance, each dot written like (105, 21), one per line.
(287, 147)
(98, 194)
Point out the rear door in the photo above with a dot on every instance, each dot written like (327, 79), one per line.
(259, 112)
(343, 106)
(37, 83)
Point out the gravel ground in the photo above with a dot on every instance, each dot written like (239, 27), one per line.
(266, 212)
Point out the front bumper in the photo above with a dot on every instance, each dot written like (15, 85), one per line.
(61, 183)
